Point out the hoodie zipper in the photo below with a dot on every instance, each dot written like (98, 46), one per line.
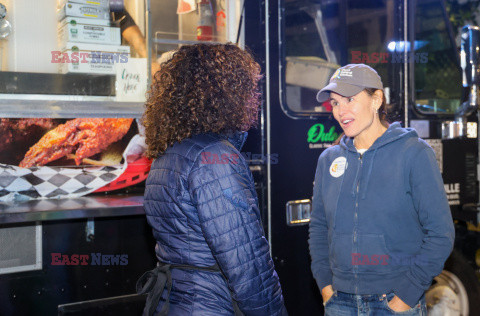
(355, 223)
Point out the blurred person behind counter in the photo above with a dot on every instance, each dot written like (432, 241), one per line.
(132, 34)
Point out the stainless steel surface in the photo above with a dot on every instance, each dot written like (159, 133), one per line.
(66, 106)
(21, 248)
(148, 36)
(469, 60)
(93, 305)
(298, 212)
(470, 63)
(62, 209)
(452, 129)
(470, 55)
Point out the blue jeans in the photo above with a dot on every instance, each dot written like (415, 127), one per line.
(345, 304)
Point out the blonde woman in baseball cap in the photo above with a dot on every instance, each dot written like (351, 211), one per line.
(381, 228)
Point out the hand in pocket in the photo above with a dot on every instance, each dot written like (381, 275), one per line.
(397, 305)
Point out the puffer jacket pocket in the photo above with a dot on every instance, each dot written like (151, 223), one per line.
(373, 255)
(340, 252)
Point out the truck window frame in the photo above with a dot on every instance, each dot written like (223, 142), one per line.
(281, 73)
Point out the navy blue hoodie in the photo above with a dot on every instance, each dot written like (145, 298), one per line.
(381, 221)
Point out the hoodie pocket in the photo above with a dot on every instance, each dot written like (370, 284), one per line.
(373, 255)
(340, 252)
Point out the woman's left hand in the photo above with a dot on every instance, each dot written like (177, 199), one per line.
(398, 305)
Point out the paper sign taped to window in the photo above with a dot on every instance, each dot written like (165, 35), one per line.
(186, 6)
(131, 84)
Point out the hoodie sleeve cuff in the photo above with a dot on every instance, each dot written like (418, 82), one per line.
(408, 292)
(323, 278)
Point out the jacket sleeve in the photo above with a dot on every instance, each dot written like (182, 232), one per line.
(222, 190)
(431, 204)
(318, 235)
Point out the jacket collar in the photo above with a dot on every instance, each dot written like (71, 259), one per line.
(237, 139)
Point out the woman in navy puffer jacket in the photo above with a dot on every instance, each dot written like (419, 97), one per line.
(200, 198)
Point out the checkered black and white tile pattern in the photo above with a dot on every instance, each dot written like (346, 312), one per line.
(17, 184)
(53, 182)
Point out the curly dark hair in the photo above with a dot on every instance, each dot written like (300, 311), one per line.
(202, 88)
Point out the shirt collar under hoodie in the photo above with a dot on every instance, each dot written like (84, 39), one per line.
(393, 133)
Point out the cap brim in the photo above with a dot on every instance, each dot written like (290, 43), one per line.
(344, 89)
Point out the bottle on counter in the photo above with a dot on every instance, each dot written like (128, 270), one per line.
(206, 22)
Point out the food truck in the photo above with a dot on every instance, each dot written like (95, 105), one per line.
(428, 61)
(73, 234)
(73, 82)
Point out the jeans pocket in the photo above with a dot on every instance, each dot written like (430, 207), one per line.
(412, 311)
(330, 299)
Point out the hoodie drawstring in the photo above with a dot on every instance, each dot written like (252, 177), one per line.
(368, 174)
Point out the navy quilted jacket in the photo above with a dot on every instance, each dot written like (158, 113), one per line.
(201, 203)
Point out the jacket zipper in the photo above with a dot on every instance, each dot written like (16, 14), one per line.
(355, 224)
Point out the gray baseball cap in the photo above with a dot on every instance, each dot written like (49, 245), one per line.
(350, 80)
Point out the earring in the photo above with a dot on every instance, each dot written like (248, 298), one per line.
(376, 111)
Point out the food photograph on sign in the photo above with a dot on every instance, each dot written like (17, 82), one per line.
(54, 158)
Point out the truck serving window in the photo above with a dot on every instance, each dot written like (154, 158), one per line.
(320, 36)
(437, 76)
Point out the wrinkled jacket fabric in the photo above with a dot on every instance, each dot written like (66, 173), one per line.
(201, 203)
